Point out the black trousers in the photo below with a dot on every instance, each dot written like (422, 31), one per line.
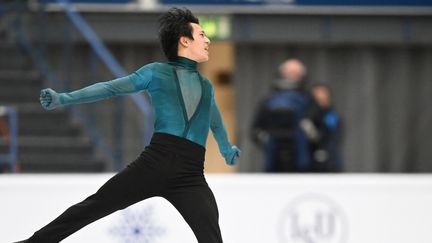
(170, 167)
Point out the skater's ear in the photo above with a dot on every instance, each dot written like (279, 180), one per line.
(184, 42)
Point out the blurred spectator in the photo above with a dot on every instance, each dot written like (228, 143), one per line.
(276, 127)
(323, 128)
(4, 133)
(4, 140)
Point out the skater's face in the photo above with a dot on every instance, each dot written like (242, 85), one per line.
(196, 49)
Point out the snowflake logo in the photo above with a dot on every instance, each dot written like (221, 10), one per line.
(137, 227)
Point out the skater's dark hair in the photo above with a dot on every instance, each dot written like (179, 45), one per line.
(174, 24)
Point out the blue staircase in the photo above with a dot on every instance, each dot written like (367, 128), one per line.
(48, 141)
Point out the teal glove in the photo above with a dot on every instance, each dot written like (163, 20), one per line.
(49, 99)
(232, 155)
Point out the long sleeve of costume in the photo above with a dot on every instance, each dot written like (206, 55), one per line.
(103, 90)
(182, 101)
(229, 152)
(218, 129)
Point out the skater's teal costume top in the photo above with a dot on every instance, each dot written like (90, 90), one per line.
(182, 100)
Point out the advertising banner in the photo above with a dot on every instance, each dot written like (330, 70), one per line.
(253, 209)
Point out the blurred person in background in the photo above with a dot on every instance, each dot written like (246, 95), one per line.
(4, 139)
(172, 166)
(323, 129)
(276, 126)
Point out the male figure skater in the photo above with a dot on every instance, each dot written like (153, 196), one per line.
(172, 165)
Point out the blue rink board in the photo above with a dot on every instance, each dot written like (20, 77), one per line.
(93, 1)
(308, 2)
(293, 2)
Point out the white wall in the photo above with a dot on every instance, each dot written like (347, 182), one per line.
(253, 208)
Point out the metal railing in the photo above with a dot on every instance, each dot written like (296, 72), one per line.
(117, 70)
(108, 59)
(37, 54)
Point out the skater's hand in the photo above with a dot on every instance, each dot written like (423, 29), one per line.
(49, 99)
(232, 155)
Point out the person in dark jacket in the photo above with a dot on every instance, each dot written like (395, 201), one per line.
(324, 144)
(276, 127)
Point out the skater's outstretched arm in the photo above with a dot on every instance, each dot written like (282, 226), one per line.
(135, 82)
(229, 152)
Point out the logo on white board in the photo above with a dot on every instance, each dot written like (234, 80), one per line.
(137, 227)
(313, 218)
